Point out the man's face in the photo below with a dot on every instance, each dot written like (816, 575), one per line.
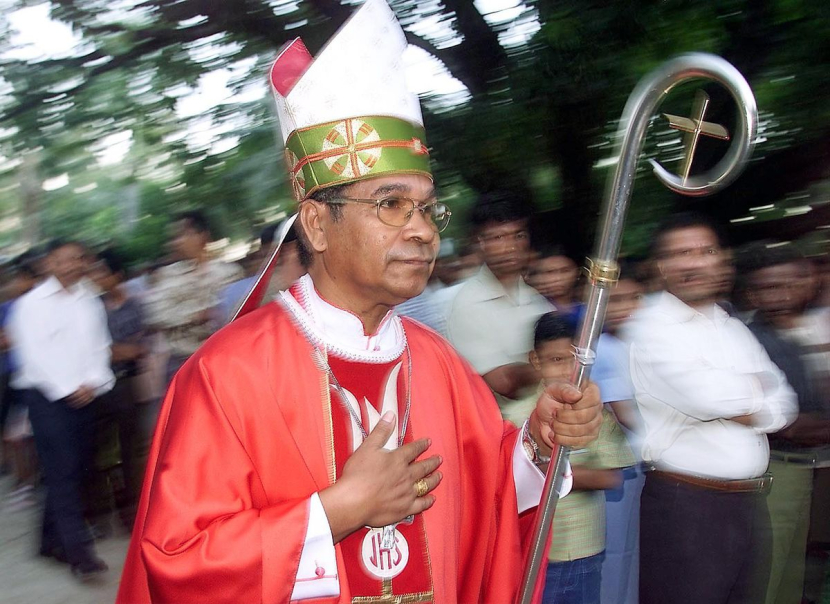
(691, 263)
(68, 264)
(102, 277)
(781, 290)
(554, 276)
(372, 262)
(188, 242)
(726, 282)
(623, 300)
(554, 359)
(505, 247)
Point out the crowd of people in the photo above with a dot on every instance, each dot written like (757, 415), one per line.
(380, 430)
(707, 354)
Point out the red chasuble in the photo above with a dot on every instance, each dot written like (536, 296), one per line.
(248, 432)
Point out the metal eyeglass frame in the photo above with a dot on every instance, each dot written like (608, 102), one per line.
(415, 206)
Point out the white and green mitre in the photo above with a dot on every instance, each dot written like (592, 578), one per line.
(347, 114)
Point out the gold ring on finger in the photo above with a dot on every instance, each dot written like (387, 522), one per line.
(421, 487)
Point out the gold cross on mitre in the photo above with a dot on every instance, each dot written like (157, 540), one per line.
(695, 127)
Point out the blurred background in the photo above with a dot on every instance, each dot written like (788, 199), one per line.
(113, 115)
(117, 115)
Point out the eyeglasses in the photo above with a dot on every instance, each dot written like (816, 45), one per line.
(397, 211)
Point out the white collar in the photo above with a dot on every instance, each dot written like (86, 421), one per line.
(493, 288)
(52, 286)
(339, 331)
(681, 312)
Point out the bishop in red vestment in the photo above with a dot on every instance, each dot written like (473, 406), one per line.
(247, 436)
(321, 448)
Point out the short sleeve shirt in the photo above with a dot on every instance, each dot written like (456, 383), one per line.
(491, 327)
(579, 522)
(610, 372)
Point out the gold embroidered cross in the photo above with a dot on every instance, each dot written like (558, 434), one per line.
(387, 597)
(694, 127)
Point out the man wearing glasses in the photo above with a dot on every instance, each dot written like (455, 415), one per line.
(322, 448)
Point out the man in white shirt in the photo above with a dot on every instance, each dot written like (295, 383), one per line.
(59, 330)
(708, 395)
(493, 315)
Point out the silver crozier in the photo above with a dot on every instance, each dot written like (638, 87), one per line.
(603, 270)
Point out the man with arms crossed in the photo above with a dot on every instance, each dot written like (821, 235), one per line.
(708, 395)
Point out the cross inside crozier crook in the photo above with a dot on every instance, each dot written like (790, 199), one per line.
(694, 127)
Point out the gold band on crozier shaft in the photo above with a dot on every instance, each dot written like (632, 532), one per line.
(603, 273)
(421, 487)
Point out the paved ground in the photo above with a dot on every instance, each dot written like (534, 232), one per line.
(26, 578)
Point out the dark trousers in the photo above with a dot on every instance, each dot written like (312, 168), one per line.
(65, 439)
(6, 401)
(115, 460)
(700, 546)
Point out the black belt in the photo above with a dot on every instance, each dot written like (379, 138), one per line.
(811, 459)
(762, 484)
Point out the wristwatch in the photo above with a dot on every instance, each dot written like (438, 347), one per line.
(531, 447)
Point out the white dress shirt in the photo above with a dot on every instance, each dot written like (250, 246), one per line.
(342, 335)
(692, 372)
(61, 340)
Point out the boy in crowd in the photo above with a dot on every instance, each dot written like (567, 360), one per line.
(575, 558)
(554, 273)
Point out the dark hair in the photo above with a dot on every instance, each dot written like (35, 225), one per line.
(266, 236)
(552, 326)
(269, 234)
(26, 264)
(113, 262)
(196, 220)
(328, 195)
(553, 250)
(631, 270)
(56, 244)
(336, 210)
(767, 254)
(499, 207)
(684, 220)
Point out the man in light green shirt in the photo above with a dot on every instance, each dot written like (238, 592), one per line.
(491, 319)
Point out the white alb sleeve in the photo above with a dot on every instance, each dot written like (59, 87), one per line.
(530, 481)
(317, 572)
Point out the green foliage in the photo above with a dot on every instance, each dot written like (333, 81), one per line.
(540, 117)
